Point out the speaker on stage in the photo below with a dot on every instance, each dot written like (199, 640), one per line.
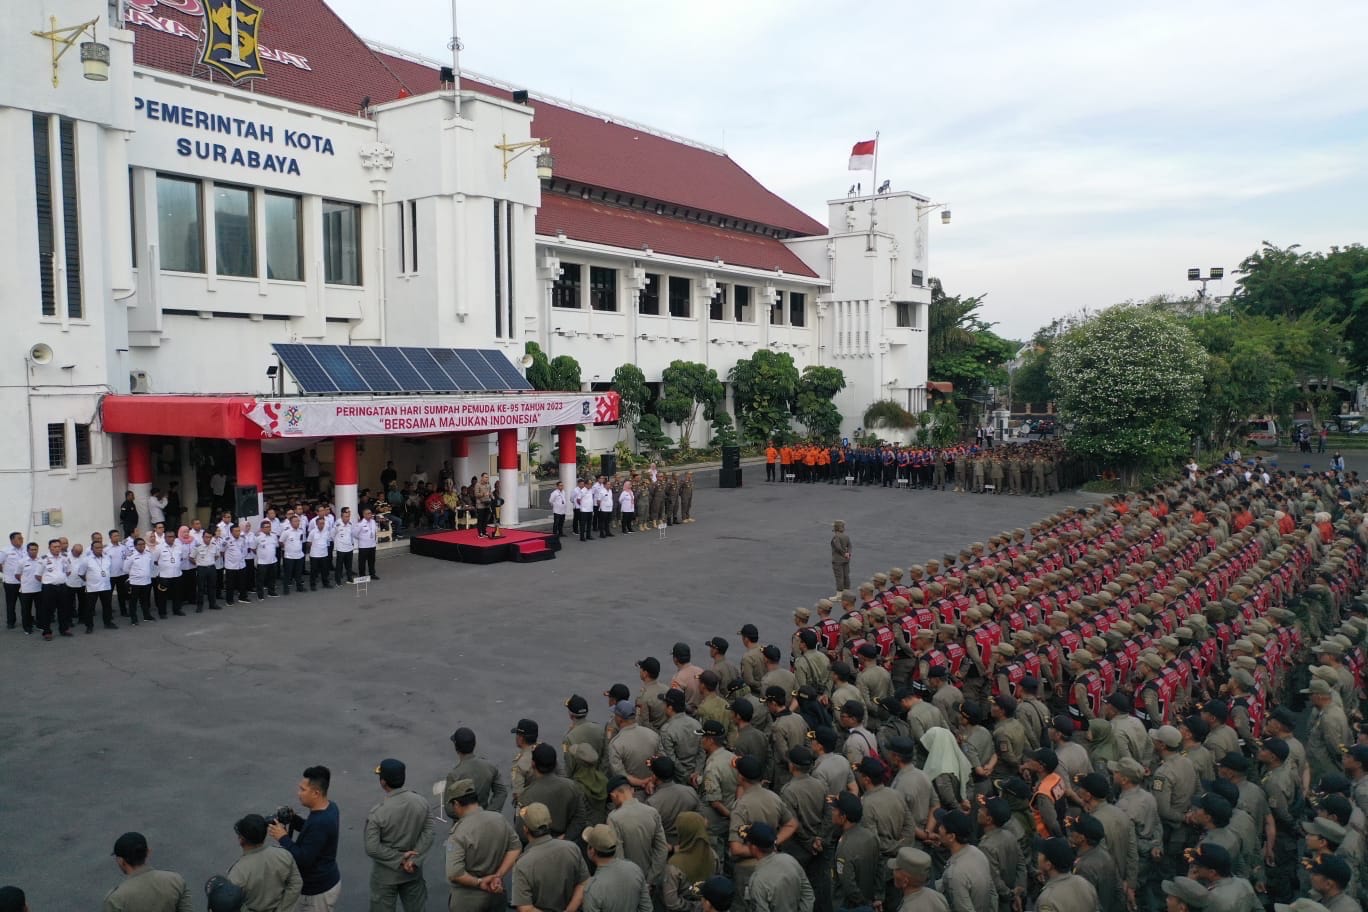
(731, 458)
(608, 464)
(729, 478)
(245, 501)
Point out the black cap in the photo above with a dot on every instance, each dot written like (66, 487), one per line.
(1045, 757)
(577, 705)
(618, 782)
(1057, 852)
(920, 689)
(1030, 683)
(1095, 784)
(1338, 807)
(902, 746)
(1197, 726)
(719, 891)
(771, 653)
(392, 772)
(938, 671)
(618, 693)
(1217, 709)
(750, 768)
(674, 698)
(774, 694)
(544, 757)
(1235, 762)
(1014, 786)
(853, 708)
(12, 899)
(744, 709)
(224, 895)
(826, 736)
(761, 835)
(718, 643)
(869, 650)
(972, 711)
(1358, 751)
(1224, 788)
(1335, 868)
(1210, 855)
(958, 824)
(650, 665)
(464, 739)
(749, 632)
(808, 636)
(681, 651)
(712, 728)
(1278, 748)
(662, 766)
(527, 728)
(872, 767)
(1120, 700)
(801, 757)
(1064, 725)
(132, 848)
(1333, 784)
(999, 811)
(1216, 807)
(1284, 717)
(1090, 828)
(849, 805)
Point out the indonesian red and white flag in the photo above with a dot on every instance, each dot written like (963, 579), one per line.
(862, 156)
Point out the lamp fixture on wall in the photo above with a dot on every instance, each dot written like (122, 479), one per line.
(94, 55)
(513, 151)
(932, 207)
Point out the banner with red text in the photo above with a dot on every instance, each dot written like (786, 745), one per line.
(434, 415)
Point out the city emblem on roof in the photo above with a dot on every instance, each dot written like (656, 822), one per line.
(231, 31)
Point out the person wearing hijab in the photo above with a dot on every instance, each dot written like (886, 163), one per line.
(693, 861)
(1102, 746)
(948, 769)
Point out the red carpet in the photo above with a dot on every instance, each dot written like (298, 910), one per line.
(466, 546)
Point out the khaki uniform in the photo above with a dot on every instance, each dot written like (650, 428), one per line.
(948, 699)
(1004, 858)
(924, 900)
(650, 708)
(1221, 741)
(1009, 738)
(726, 672)
(789, 730)
(489, 787)
(777, 885)
(679, 742)
(755, 805)
(1232, 894)
(1328, 735)
(814, 669)
(582, 732)
(1067, 893)
(751, 742)
(398, 824)
(719, 786)
(834, 771)
(150, 890)
(569, 814)
(476, 847)
(269, 877)
(874, 683)
(1173, 785)
(641, 838)
(915, 788)
(670, 800)
(859, 870)
(618, 886)
(1120, 842)
(519, 772)
(753, 669)
(967, 882)
(547, 873)
(1096, 866)
(630, 749)
(715, 708)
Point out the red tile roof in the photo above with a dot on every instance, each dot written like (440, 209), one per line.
(600, 223)
(588, 149)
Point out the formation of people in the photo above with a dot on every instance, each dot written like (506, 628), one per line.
(1155, 702)
(1037, 468)
(597, 506)
(66, 584)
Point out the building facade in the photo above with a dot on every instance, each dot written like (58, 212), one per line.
(171, 223)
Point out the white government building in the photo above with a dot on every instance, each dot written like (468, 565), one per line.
(169, 223)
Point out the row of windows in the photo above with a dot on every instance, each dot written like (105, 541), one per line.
(789, 308)
(180, 232)
(57, 445)
(54, 182)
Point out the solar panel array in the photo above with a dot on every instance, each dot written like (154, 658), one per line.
(322, 369)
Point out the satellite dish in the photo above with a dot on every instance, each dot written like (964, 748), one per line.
(526, 361)
(40, 353)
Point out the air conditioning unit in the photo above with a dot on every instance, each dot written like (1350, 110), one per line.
(139, 382)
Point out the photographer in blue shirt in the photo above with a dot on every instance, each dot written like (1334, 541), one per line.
(313, 842)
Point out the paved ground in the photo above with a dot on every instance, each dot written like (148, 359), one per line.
(180, 727)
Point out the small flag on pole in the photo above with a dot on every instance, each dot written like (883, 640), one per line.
(862, 155)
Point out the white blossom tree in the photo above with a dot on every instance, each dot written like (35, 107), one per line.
(1128, 381)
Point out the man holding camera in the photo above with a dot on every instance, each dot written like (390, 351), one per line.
(398, 835)
(313, 842)
(267, 874)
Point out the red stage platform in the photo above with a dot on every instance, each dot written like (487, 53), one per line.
(466, 546)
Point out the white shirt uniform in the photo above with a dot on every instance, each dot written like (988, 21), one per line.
(97, 571)
(54, 572)
(234, 553)
(117, 554)
(558, 502)
(31, 575)
(223, 529)
(584, 500)
(605, 500)
(266, 547)
(628, 501)
(318, 541)
(343, 537)
(156, 510)
(75, 571)
(140, 568)
(168, 560)
(13, 563)
(187, 552)
(204, 554)
(365, 533)
(292, 543)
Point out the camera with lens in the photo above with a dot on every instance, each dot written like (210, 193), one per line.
(285, 816)
(692, 892)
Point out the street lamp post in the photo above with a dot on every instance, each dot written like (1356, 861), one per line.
(1214, 274)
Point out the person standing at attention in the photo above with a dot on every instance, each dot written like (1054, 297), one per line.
(840, 555)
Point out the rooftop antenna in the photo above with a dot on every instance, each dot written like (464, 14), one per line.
(454, 45)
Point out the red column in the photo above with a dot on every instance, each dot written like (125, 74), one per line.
(508, 449)
(249, 463)
(139, 450)
(460, 447)
(344, 461)
(568, 444)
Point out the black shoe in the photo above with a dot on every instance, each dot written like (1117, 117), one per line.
(375, 576)
(111, 626)
(90, 628)
(199, 610)
(217, 607)
(178, 613)
(10, 626)
(67, 633)
(312, 588)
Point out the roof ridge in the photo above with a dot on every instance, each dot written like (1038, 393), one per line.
(381, 48)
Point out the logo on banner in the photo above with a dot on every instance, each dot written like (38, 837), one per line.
(294, 418)
(231, 28)
(606, 411)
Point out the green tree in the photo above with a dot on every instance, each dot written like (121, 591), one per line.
(686, 385)
(1031, 381)
(945, 423)
(630, 385)
(765, 391)
(961, 346)
(889, 414)
(1129, 381)
(817, 387)
(559, 373)
(650, 435)
(724, 429)
(539, 372)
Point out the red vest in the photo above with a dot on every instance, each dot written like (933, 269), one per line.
(1014, 672)
(954, 655)
(829, 634)
(1070, 640)
(883, 638)
(1095, 694)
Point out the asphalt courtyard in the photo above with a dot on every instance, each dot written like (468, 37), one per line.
(178, 728)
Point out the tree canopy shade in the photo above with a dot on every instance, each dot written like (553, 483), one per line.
(1129, 381)
(765, 392)
(559, 373)
(817, 387)
(961, 347)
(889, 414)
(686, 386)
(630, 385)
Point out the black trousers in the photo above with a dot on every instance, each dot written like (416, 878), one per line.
(206, 587)
(140, 598)
(482, 518)
(266, 578)
(55, 602)
(586, 525)
(164, 590)
(78, 596)
(575, 522)
(105, 599)
(120, 584)
(294, 574)
(11, 602)
(769, 471)
(319, 568)
(366, 563)
(28, 604)
(342, 562)
(605, 521)
(558, 525)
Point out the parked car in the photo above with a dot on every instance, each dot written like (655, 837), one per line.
(1262, 432)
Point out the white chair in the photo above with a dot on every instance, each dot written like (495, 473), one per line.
(438, 790)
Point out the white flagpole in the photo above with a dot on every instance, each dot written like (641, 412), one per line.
(875, 185)
(873, 194)
(456, 58)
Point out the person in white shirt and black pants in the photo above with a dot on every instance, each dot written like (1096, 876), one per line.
(99, 581)
(56, 600)
(292, 552)
(141, 568)
(13, 563)
(267, 561)
(365, 536)
(30, 586)
(320, 566)
(557, 499)
(344, 546)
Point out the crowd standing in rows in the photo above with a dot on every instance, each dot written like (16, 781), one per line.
(1103, 712)
(67, 583)
(598, 506)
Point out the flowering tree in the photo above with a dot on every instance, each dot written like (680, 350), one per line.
(1128, 381)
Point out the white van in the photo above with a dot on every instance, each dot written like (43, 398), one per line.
(1262, 432)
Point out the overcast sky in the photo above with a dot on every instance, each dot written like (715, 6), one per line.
(1091, 152)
